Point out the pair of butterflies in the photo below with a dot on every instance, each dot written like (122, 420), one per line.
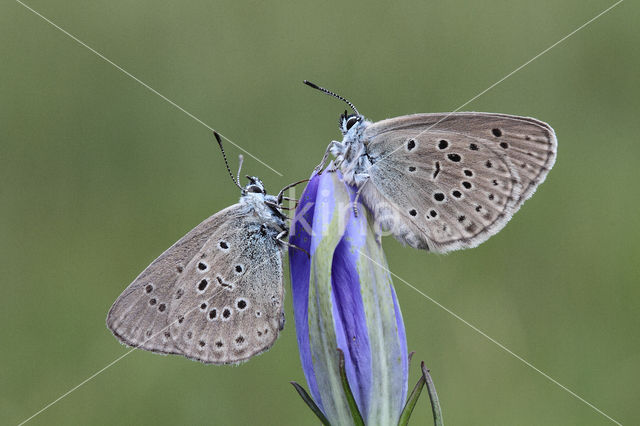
(437, 182)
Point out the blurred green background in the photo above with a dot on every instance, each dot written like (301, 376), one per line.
(98, 176)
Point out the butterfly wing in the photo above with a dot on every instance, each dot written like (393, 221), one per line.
(139, 316)
(150, 312)
(228, 305)
(450, 181)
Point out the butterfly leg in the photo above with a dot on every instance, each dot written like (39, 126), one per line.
(348, 173)
(338, 150)
(340, 153)
(278, 206)
(335, 165)
(355, 200)
(319, 167)
(280, 239)
(295, 202)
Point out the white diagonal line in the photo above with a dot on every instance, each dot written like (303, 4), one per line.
(91, 377)
(502, 79)
(537, 56)
(492, 340)
(145, 85)
(113, 362)
(77, 386)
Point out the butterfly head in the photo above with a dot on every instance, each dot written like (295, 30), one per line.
(254, 186)
(347, 121)
(266, 206)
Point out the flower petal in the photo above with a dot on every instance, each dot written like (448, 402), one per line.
(344, 299)
(328, 229)
(349, 312)
(299, 265)
(388, 357)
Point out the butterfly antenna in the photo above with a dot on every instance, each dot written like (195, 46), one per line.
(330, 93)
(226, 163)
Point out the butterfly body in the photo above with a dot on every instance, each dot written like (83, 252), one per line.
(217, 294)
(444, 181)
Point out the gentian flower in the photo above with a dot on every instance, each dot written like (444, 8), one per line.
(349, 327)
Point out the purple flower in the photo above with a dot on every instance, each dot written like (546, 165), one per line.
(344, 301)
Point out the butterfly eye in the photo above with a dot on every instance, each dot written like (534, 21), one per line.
(351, 121)
(255, 188)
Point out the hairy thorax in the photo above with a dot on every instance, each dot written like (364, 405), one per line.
(262, 207)
(355, 163)
(351, 155)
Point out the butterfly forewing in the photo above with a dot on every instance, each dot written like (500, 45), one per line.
(139, 317)
(530, 144)
(456, 180)
(227, 307)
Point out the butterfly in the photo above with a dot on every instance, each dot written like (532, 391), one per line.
(442, 181)
(217, 294)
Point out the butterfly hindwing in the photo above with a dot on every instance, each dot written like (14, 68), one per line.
(228, 304)
(232, 263)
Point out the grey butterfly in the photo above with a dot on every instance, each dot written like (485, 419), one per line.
(442, 181)
(217, 294)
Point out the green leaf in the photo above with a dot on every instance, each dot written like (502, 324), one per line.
(353, 406)
(435, 403)
(411, 401)
(415, 394)
(310, 403)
